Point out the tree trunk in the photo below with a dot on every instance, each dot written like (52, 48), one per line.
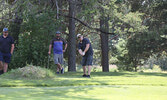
(72, 38)
(104, 44)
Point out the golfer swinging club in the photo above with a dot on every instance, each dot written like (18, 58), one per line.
(57, 44)
(85, 49)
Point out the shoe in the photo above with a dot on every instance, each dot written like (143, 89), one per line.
(62, 71)
(88, 76)
(84, 75)
(57, 72)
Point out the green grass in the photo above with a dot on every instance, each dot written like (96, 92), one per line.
(85, 92)
(101, 86)
(97, 78)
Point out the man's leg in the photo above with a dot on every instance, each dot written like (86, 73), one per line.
(84, 69)
(89, 63)
(59, 66)
(84, 66)
(56, 62)
(61, 62)
(1, 67)
(57, 69)
(1, 63)
(5, 67)
(89, 69)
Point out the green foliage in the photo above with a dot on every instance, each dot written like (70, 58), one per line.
(121, 53)
(158, 60)
(127, 18)
(36, 34)
(96, 57)
(162, 62)
(129, 26)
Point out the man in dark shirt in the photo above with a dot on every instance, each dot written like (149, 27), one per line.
(57, 44)
(6, 50)
(85, 49)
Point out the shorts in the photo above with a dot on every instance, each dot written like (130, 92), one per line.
(58, 58)
(87, 60)
(5, 57)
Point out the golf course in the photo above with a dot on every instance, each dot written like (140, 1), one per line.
(83, 49)
(101, 86)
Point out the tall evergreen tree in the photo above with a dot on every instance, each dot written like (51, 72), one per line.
(72, 37)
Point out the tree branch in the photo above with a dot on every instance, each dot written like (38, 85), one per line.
(57, 9)
(97, 29)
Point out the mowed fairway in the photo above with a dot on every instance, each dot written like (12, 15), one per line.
(102, 86)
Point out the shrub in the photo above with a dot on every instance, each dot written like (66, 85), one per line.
(30, 72)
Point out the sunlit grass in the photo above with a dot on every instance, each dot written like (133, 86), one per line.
(103, 92)
(97, 78)
(101, 86)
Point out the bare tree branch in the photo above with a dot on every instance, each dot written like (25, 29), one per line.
(97, 29)
(57, 9)
(14, 2)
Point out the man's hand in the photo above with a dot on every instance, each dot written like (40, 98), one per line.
(80, 52)
(64, 50)
(83, 53)
(50, 47)
(49, 52)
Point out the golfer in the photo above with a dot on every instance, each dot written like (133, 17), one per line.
(6, 50)
(85, 49)
(57, 44)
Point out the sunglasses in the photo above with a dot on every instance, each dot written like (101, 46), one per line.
(5, 32)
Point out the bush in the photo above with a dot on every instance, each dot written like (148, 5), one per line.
(30, 72)
(159, 60)
(34, 38)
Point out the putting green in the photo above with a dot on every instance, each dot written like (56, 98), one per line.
(95, 92)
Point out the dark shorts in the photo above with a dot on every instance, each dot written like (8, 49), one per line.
(87, 60)
(5, 57)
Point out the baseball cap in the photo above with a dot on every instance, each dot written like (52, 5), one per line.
(78, 35)
(58, 32)
(5, 29)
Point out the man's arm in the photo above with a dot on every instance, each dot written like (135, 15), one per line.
(80, 52)
(86, 49)
(65, 47)
(12, 48)
(50, 47)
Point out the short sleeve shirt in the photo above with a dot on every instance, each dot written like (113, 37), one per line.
(5, 44)
(82, 46)
(57, 44)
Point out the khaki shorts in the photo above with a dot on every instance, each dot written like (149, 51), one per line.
(58, 58)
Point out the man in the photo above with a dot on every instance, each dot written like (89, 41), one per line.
(6, 50)
(85, 49)
(57, 44)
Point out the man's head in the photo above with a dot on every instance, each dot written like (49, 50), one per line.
(80, 37)
(5, 31)
(58, 34)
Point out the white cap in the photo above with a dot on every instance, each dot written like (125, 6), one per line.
(78, 35)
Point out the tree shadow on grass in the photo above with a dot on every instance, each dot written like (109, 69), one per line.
(129, 74)
(76, 79)
(53, 93)
(153, 74)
